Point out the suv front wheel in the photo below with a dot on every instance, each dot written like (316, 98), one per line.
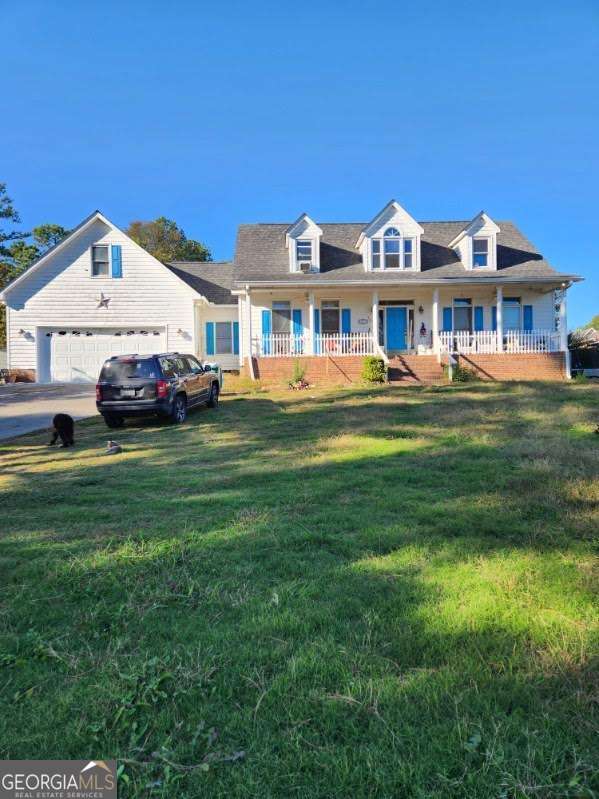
(179, 410)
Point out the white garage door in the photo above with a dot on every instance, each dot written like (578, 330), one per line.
(76, 355)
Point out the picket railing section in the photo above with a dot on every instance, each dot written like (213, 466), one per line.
(531, 341)
(344, 344)
(486, 341)
(280, 345)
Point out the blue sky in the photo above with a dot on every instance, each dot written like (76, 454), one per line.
(219, 113)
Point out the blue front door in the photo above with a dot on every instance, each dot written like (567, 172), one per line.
(396, 328)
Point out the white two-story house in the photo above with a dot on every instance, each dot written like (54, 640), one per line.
(414, 293)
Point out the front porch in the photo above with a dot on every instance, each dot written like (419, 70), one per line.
(399, 325)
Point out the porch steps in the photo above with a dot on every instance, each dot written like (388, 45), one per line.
(415, 369)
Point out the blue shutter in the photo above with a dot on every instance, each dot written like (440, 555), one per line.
(298, 331)
(494, 318)
(266, 328)
(235, 338)
(209, 338)
(117, 261)
(346, 320)
(447, 320)
(298, 327)
(528, 317)
(317, 330)
(479, 318)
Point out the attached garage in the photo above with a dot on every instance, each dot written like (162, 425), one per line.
(76, 354)
(97, 293)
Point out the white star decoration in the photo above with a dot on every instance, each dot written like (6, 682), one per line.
(103, 301)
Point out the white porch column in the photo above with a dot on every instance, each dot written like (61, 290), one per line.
(250, 349)
(499, 319)
(240, 309)
(563, 322)
(563, 330)
(310, 342)
(375, 319)
(435, 327)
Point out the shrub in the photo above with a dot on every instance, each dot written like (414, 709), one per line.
(299, 372)
(374, 370)
(298, 378)
(460, 374)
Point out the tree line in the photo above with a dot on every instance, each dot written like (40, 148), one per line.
(19, 249)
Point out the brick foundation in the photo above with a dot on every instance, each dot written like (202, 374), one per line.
(326, 370)
(411, 369)
(508, 366)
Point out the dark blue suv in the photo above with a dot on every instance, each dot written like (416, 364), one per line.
(166, 384)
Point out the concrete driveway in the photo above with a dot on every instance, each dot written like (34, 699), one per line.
(25, 407)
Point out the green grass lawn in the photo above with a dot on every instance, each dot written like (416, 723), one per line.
(352, 593)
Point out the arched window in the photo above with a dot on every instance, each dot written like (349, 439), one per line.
(392, 248)
(392, 251)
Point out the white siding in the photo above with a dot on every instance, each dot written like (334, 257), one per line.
(216, 313)
(63, 293)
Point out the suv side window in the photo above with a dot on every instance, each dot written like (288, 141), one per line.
(194, 364)
(169, 367)
(182, 366)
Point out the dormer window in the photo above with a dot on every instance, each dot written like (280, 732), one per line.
(391, 240)
(302, 239)
(480, 252)
(303, 251)
(476, 243)
(392, 251)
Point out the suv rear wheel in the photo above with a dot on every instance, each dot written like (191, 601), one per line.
(179, 411)
(114, 420)
(213, 400)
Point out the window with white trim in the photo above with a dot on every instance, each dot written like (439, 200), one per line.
(330, 316)
(100, 260)
(303, 251)
(408, 262)
(392, 251)
(392, 248)
(462, 314)
(281, 317)
(512, 313)
(376, 254)
(223, 335)
(480, 252)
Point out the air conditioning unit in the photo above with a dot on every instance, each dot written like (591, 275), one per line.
(305, 266)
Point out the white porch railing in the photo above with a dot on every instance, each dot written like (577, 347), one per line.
(281, 345)
(486, 341)
(531, 341)
(344, 344)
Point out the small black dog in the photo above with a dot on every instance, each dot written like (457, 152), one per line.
(64, 427)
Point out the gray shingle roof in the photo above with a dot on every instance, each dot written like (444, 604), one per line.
(211, 279)
(261, 255)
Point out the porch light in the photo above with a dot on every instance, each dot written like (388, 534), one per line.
(420, 309)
